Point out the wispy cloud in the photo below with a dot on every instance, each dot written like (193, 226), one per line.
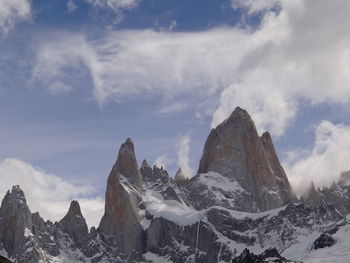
(12, 12)
(287, 59)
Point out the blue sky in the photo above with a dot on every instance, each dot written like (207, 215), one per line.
(78, 77)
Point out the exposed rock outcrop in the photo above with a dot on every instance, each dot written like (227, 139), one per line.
(324, 240)
(15, 221)
(74, 224)
(4, 260)
(158, 179)
(336, 196)
(235, 150)
(179, 177)
(23, 235)
(126, 164)
(270, 255)
(121, 219)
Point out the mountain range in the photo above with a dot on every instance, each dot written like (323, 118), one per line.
(239, 207)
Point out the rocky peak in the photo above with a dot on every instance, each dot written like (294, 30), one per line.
(127, 165)
(145, 170)
(312, 196)
(236, 151)
(179, 176)
(15, 196)
(154, 175)
(74, 224)
(15, 218)
(121, 219)
(145, 165)
(74, 209)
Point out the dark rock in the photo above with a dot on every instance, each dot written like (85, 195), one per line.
(324, 240)
(270, 255)
(170, 194)
(4, 260)
(15, 218)
(180, 178)
(75, 226)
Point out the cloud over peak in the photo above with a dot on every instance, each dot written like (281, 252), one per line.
(49, 194)
(325, 162)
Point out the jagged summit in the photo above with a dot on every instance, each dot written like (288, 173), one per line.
(179, 176)
(145, 164)
(236, 151)
(121, 217)
(239, 114)
(15, 218)
(150, 217)
(74, 209)
(16, 195)
(126, 163)
(74, 224)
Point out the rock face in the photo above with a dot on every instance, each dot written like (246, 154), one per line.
(16, 219)
(121, 218)
(270, 255)
(23, 235)
(157, 179)
(4, 260)
(126, 164)
(337, 196)
(75, 226)
(180, 178)
(234, 150)
(325, 240)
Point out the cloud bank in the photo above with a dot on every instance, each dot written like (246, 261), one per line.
(299, 52)
(49, 194)
(325, 162)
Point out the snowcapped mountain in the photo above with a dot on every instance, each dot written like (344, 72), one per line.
(238, 208)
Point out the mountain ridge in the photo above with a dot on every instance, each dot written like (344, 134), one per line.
(213, 217)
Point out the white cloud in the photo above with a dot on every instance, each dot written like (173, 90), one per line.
(298, 53)
(133, 63)
(325, 162)
(183, 152)
(114, 5)
(163, 161)
(71, 6)
(255, 6)
(12, 12)
(49, 194)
